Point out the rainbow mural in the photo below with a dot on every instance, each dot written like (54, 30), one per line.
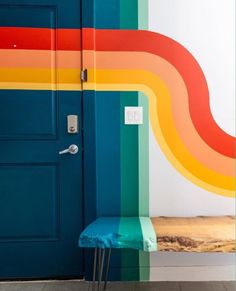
(174, 84)
(153, 70)
(127, 58)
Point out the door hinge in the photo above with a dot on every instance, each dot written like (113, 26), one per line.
(84, 75)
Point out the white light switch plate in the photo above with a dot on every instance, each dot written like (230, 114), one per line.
(133, 115)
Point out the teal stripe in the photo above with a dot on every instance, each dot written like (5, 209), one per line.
(129, 182)
(128, 14)
(107, 14)
(131, 229)
(130, 257)
(129, 159)
(107, 153)
(129, 152)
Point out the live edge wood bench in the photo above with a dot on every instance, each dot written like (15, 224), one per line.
(173, 234)
(195, 234)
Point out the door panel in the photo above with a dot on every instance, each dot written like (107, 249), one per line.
(20, 120)
(40, 190)
(28, 15)
(39, 206)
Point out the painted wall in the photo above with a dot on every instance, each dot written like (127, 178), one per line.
(119, 177)
(181, 161)
(176, 59)
(207, 30)
(196, 25)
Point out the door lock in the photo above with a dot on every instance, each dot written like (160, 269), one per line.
(72, 123)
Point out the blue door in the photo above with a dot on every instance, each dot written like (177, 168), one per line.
(40, 189)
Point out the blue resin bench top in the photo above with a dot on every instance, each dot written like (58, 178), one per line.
(120, 232)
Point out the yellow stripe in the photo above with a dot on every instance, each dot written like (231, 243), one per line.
(124, 80)
(163, 125)
(40, 86)
(38, 75)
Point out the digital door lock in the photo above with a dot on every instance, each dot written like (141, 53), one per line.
(72, 124)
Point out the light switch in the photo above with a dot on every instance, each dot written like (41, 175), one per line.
(133, 115)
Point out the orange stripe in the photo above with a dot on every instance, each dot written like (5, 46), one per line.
(196, 146)
(114, 60)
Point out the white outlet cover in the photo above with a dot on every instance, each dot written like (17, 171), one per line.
(133, 115)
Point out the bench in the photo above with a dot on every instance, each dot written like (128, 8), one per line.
(195, 234)
(192, 234)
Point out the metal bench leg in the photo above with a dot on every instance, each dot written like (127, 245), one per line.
(98, 266)
(102, 255)
(107, 269)
(94, 269)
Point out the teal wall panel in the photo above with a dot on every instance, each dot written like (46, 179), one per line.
(118, 146)
(108, 153)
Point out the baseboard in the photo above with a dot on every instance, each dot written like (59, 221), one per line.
(193, 273)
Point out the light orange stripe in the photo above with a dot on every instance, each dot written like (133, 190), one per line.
(40, 59)
(69, 59)
(163, 125)
(196, 146)
(70, 62)
(27, 59)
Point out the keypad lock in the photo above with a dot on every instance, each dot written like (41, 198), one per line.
(72, 124)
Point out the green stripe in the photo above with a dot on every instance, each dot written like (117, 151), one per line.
(144, 266)
(149, 234)
(143, 14)
(144, 257)
(128, 14)
(143, 136)
(130, 258)
(129, 160)
(129, 133)
(129, 182)
(134, 164)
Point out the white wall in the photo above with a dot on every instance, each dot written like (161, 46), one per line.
(207, 29)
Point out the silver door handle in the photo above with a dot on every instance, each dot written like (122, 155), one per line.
(72, 149)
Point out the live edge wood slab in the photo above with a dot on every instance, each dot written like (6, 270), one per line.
(195, 234)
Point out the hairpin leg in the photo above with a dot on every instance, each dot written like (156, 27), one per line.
(101, 268)
(98, 266)
(94, 268)
(107, 269)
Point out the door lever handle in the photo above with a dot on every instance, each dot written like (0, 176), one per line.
(72, 149)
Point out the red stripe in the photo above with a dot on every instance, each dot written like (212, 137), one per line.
(131, 40)
(69, 39)
(40, 38)
(89, 40)
(188, 67)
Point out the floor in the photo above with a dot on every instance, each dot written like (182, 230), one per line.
(118, 286)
